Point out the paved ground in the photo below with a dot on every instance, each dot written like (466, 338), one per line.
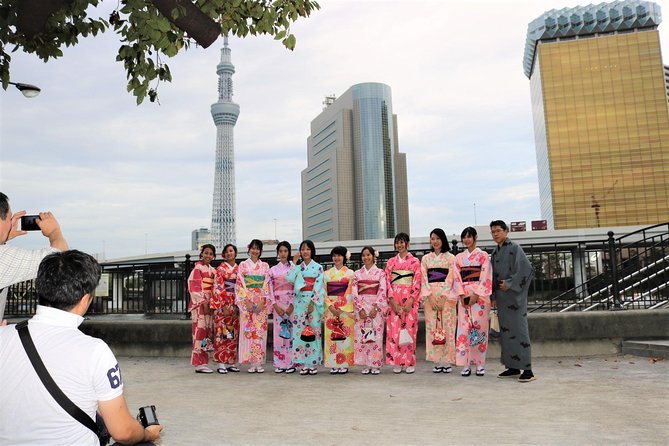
(597, 400)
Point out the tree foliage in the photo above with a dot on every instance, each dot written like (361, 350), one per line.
(147, 36)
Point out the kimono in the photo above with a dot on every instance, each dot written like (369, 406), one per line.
(369, 291)
(403, 279)
(282, 295)
(200, 284)
(471, 344)
(510, 264)
(253, 285)
(441, 282)
(337, 285)
(226, 328)
(308, 285)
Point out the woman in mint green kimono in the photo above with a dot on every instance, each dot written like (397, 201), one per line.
(307, 278)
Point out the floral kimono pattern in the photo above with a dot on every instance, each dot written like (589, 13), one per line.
(226, 328)
(369, 291)
(308, 285)
(253, 285)
(473, 321)
(200, 284)
(338, 353)
(283, 295)
(441, 282)
(403, 278)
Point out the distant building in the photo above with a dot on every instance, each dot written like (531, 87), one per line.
(355, 183)
(199, 237)
(601, 123)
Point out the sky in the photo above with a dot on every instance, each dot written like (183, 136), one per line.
(125, 180)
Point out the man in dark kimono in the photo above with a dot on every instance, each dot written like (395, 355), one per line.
(512, 274)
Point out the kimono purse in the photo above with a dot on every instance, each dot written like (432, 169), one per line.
(284, 332)
(228, 332)
(494, 322)
(367, 333)
(338, 332)
(405, 337)
(308, 334)
(439, 335)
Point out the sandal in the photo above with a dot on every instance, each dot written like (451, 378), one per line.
(342, 371)
(304, 372)
(313, 371)
(233, 368)
(466, 371)
(437, 369)
(290, 370)
(375, 372)
(334, 371)
(252, 370)
(365, 371)
(480, 371)
(260, 369)
(222, 370)
(447, 369)
(279, 370)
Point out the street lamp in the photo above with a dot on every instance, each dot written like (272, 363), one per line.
(29, 91)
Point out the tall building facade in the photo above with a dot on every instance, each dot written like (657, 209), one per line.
(199, 237)
(355, 183)
(225, 113)
(601, 120)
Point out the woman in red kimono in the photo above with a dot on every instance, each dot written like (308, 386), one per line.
(226, 313)
(200, 284)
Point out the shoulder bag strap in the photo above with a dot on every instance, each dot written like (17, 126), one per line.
(48, 381)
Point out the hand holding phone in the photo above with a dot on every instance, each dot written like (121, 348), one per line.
(29, 223)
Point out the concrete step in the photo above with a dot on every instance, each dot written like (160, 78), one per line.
(652, 348)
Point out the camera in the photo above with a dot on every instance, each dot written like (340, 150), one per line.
(147, 416)
(29, 223)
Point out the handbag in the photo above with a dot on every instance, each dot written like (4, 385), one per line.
(405, 337)
(439, 335)
(285, 326)
(494, 323)
(367, 333)
(308, 334)
(338, 332)
(98, 426)
(475, 336)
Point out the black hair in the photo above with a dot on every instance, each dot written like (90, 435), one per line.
(442, 236)
(499, 223)
(286, 245)
(4, 206)
(257, 243)
(205, 246)
(311, 247)
(64, 278)
(402, 236)
(468, 231)
(225, 248)
(368, 248)
(342, 251)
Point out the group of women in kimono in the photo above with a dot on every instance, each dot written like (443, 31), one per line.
(337, 317)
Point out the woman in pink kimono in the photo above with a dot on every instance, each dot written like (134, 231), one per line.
(200, 284)
(283, 316)
(226, 313)
(371, 303)
(338, 318)
(473, 266)
(403, 278)
(253, 299)
(440, 289)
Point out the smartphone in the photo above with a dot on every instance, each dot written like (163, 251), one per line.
(29, 223)
(147, 416)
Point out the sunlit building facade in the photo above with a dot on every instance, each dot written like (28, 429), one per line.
(600, 113)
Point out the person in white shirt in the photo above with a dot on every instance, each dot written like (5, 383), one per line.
(83, 367)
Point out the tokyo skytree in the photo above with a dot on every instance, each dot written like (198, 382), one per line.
(225, 113)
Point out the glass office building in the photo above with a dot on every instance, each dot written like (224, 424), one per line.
(600, 112)
(355, 183)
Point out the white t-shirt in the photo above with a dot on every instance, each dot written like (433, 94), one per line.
(82, 366)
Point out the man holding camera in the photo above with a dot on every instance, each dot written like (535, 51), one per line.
(19, 264)
(83, 367)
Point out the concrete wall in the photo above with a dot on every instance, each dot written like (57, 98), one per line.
(552, 334)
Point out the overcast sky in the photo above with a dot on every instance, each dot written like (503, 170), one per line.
(124, 179)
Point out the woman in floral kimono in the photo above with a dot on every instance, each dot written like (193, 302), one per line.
(473, 266)
(338, 319)
(226, 313)
(254, 300)
(371, 304)
(200, 284)
(440, 289)
(283, 296)
(307, 278)
(403, 278)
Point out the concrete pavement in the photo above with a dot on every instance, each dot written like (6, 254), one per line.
(594, 400)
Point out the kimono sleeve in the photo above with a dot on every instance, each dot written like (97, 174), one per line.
(219, 286)
(416, 284)
(295, 275)
(267, 287)
(327, 277)
(389, 285)
(425, 285)
(195, 288)
(240, 285)
(381, 298)
(357, 300)
(454, 280)
(521, 272)
(484, 287)
(319, 290)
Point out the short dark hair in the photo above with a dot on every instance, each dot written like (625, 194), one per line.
(442, 236)
(286, 245)
(205, 246)
(340, 250)
(311, 247)
(499, 223)
(255, 243)
(468, 231)
(63, 278)
(368, 248)
(4, 206)
(402, 236)
(225, 248)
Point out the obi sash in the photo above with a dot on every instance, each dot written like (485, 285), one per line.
(470, 273)
(309, 284)
(282, 285)
(402, 277)
(337, 288)
(229, 284)
(252, 281)
(207, 283)
(367, 287)
(437, 275)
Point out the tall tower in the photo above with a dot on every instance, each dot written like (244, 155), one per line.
(225, 113)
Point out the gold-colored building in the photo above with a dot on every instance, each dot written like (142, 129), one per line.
(601, 117)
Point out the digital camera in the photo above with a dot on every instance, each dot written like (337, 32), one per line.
(147, 416)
